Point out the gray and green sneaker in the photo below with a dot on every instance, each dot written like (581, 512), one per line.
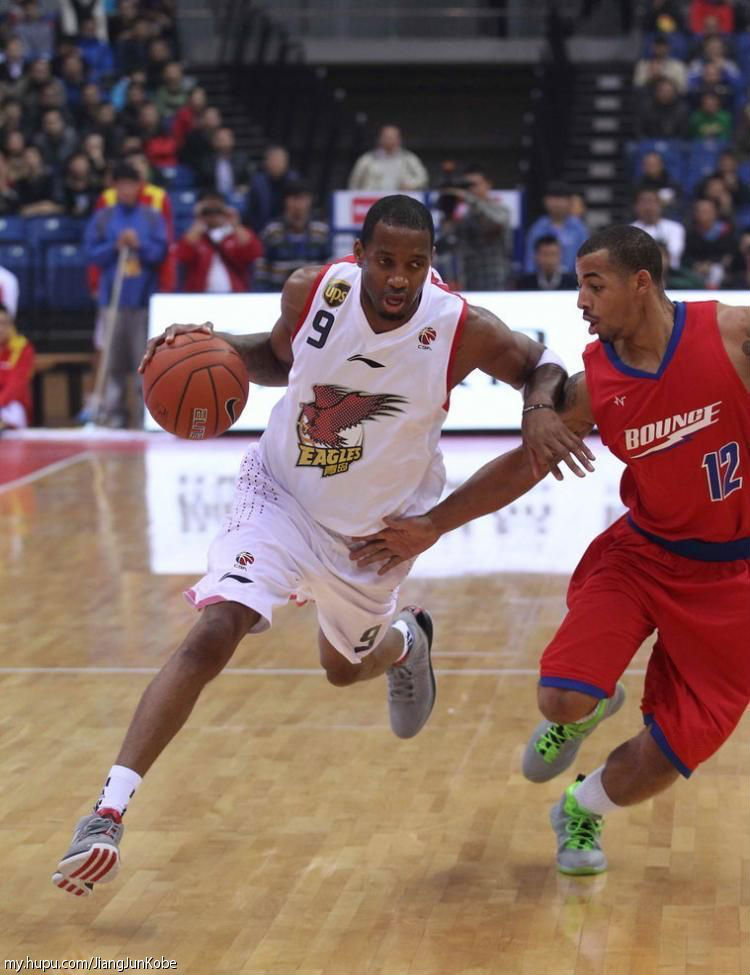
(553, 747)
(579, 851)
(411, 685)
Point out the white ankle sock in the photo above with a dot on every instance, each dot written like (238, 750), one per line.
(591, 795)
(403, 629)
(119, 789)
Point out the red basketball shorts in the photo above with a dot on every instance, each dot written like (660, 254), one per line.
(698, 677)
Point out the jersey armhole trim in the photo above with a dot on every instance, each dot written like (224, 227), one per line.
(454, 351)
(308, 303)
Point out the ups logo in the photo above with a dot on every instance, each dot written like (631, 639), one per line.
(335, 293)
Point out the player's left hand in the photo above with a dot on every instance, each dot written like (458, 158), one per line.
(548, 443)
(402, 539)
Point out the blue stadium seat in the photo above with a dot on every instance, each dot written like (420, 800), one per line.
(183, 178)
(41, 234)
(183, 204)
(17, 258)
(238, 201)
(743, 171)
(742, 47)
(53, 230)
(671, 150)
(66, 286)
(12, 230)
(703, 156)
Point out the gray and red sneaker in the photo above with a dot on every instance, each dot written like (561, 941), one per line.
(94, 853)
(411, 684)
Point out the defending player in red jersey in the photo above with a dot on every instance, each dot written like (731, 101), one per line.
(668, 387)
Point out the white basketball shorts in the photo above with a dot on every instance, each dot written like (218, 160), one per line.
(270, 551)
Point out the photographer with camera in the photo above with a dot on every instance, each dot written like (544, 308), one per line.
(217, 252)
(475, 236)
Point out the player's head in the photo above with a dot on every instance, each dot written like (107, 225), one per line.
(394, 251)
(212, 209)
(127, 183)
(548, 254)
(389, 138)
(619, 270)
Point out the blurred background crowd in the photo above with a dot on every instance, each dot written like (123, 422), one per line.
(102, 117)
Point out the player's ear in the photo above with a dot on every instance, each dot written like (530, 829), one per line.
(643, 282)
(359, 251)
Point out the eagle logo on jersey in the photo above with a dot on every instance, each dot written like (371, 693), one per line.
(335, 293)
(330, 427)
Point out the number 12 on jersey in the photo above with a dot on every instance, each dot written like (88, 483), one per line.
(721, 466)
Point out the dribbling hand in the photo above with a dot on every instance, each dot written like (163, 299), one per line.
(169, 336)
(401, 540)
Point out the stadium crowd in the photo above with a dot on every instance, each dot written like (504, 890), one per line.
(90, 89)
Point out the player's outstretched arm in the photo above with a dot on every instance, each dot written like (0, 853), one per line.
(489, 345)
(267, 355)
(492, 487)
(734, 328)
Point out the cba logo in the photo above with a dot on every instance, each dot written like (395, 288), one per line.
(329, 429)
(426, 336)
(244, 559)
(335, 293)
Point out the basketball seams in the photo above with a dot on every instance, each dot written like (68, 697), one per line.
(217, 345)
(184, 358)
(216, 401)
(242, 383)
(242, 389)
(185, 388)
(189, 390)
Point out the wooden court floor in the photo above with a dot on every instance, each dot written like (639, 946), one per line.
(286, 830)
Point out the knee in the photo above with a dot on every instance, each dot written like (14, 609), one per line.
(210, 644)
(563, 706)
(340, 673)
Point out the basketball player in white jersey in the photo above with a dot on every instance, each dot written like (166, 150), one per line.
(370, 348)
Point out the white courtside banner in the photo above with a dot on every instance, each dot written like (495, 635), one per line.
(479, 403)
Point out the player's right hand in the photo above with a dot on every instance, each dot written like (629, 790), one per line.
(401, 540)
(169, 336)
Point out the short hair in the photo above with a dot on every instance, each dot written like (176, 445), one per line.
(630, 249)
(544, 240)
(124, 170)
(643, 189)
(397, 211)
(212, 195)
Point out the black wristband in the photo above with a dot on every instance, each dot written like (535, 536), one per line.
(537, 406)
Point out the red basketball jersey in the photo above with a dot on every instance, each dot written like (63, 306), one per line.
(684, 433)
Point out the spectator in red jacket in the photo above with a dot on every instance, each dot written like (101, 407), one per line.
(16, 366)
(217, 252)
(711, 16)
(187, 118)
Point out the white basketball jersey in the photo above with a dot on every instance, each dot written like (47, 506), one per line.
(356, 435)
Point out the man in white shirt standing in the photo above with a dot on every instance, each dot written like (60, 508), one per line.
(648, 212)
(388, 167)
(9, 291)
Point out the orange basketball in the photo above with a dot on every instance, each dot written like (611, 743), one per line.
(195, 387)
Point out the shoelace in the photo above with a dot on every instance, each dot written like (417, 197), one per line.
(102, 824)
(555, 737)
(401, 683)
(583, 831)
